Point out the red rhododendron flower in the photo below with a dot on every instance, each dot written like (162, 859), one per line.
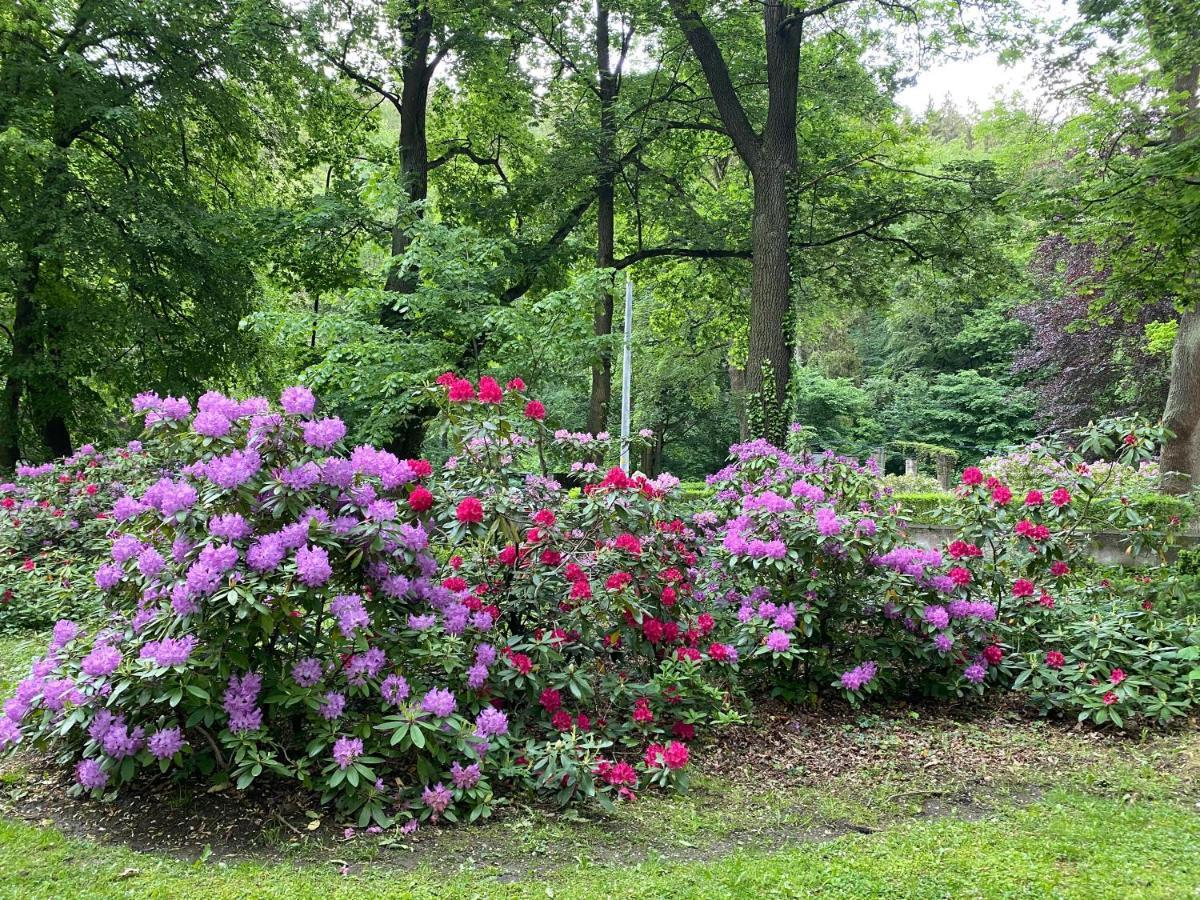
(1023, 587)
(454, 583)
(470, 511)
(669, 597)
(629, 544)
(545, 517)
(446, 379)
(507, 555)
(1117, 676)
(1001, 495)
(961, 549)
(535, 410)
(1060, 497)
(972, 476)
(676, 755)
(641, 711)
(91, 489)
(461, 391)
(28, 565)
(1130, 440)
(1034, 498)
(581, 589)
(618, 580)
(1058, 569)
(1109, 698)
(521, 663)
(489, 390)
(516, 384)
(420, 499)
(688, 653)
(719, 652)
(993, 654)
(1054, 659)
(652, 629)
(1046, 600)
(550, 558)
(572, 572)
(705, 623)
(562, 720)
(456, 562)
(653, 753)
(683, 731)
(616, 478)
(422, 468)
(670, 632)
(960, 576)
(621, 773)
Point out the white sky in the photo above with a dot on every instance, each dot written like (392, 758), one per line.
(969, 82)
(980, 80)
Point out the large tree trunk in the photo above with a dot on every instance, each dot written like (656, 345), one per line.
(770, 292)
(20, 360)
(413, 150)
(1180, 462)
(413, 145)
(602, 321)
(771, 157)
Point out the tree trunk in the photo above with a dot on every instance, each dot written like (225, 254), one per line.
(1180, 462)
(737, 390)
(770, 292)
(413, 146)
(20, 360)
(771, 157)
(601, 394)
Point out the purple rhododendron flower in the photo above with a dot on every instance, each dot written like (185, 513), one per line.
(440, 702)
(307, 672)
(312, 566)
(298, 401)
(165, 743)
(346, 750)
(91, 774)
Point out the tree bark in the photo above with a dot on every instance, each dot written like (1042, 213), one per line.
(1179, 466)
(770, 292)
(413, 146)
(602, 321)
(771, 158)
(1180, 462)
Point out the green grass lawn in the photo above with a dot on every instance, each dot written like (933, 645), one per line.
(1121, 819)
(1068, 845)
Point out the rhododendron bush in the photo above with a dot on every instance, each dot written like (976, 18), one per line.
(415, 643)
(285, 605)
(54, 522)
(827, 592)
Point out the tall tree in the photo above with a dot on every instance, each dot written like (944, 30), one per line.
(134, 142)
(1130, 185)
(761, 121)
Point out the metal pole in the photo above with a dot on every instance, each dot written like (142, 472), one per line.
(626, 374)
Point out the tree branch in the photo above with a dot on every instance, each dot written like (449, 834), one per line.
(680, 252)
(716, 73)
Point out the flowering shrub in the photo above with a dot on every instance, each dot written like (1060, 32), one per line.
(54, 522)
(1063, 632)
(608, 651)
(825, 591)
(279, 608)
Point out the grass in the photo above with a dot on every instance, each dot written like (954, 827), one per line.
(1068, 845)
(1119, 819)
